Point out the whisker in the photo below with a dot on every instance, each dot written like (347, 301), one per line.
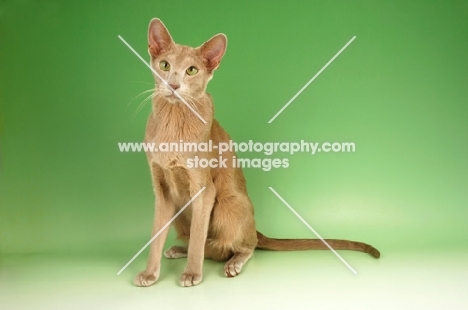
(196, 101)
(192, 103)
(143, 103)
(142, 82)
(139, 95)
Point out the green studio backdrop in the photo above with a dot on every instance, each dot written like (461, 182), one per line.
(71, 90)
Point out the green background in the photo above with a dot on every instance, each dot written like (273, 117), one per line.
(69, 93)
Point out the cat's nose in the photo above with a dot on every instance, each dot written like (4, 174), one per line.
(174, 86)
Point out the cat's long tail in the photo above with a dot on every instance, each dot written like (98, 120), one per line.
(266, 243)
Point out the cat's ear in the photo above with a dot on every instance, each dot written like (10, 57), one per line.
(159, 38)
(213, 51)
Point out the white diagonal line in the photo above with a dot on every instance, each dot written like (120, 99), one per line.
(313, 230)
(164, 81)
(311, 80)
(161, 230)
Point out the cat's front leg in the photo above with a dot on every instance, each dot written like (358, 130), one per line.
(150, 275)
(201, 210)
(164, 211)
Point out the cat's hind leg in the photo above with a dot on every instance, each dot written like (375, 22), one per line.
(234, 265)
(182, 227)
(233, 228)
(176, 252)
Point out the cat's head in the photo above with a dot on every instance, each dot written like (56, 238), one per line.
(188, 70)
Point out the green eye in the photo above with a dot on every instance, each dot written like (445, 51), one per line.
(164, 65)
(192, 70)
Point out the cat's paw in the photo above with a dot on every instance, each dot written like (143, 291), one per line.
(176, 252)
(145, 279)
(232, 268)
(190, 279)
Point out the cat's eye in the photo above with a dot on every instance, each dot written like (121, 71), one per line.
(164, 65)
(191, 70)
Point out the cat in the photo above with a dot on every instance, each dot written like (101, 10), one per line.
(219, 224)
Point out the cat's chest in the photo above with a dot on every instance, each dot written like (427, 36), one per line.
(178, 185)
(166, 153)
(169, 141)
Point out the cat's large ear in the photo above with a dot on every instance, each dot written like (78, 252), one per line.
(159, 38)
(213, 51)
